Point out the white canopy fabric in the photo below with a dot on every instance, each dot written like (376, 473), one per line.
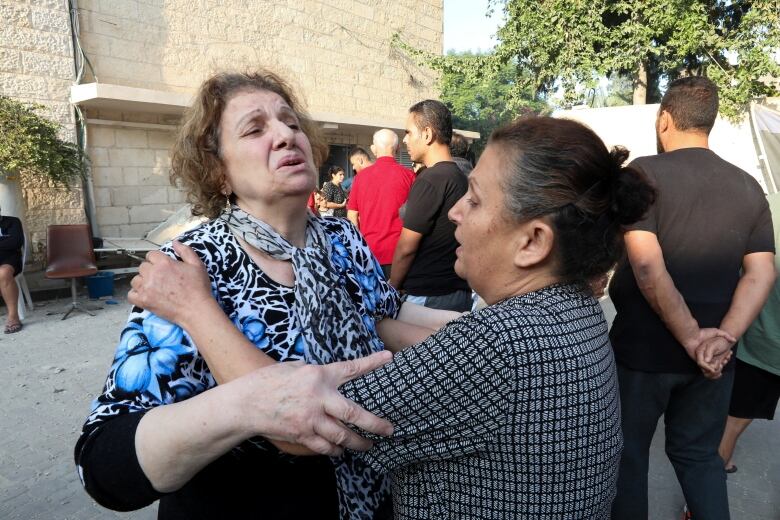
(633, 127)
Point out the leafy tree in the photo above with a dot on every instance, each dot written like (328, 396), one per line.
(567, 45)
(480, 103)
(617, 92)
(30, 143)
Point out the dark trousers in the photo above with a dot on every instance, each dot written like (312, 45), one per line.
(458, 301)
(694, 410)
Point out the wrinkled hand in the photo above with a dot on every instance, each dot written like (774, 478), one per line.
(169, 288)
(300, 403)
(713, 354)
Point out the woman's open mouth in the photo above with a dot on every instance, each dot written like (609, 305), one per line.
(290, 161)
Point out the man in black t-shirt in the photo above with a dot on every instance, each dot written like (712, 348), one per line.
(681, 303)
(424, 258)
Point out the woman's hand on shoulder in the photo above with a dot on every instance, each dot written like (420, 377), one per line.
(300, 405)
(174, 290)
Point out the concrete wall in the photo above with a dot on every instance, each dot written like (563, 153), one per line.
(36, 65)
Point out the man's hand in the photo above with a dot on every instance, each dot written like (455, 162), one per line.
(170, 288)
(300, 403)
(713, 354)
(692, 344)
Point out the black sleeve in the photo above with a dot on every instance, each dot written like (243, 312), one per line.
(13, 237)
(446, 396)
(649, 221)
(108, 465)
(422, 206)
(762, 236)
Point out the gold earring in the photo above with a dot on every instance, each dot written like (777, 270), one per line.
(228, 205)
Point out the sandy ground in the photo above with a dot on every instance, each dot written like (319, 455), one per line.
(53, 369)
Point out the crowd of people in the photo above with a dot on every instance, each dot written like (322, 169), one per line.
(281, 362)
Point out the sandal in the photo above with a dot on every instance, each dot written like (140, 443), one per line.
(731, 469)
(13, 327)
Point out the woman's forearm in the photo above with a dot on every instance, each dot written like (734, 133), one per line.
(228, 353)
(174, 442)
(291, 402)
(426, 317)
(397, 335)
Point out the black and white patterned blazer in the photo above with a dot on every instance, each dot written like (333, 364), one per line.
(510, 412)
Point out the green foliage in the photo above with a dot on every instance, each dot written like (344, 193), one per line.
(617, 92)
(565, 46)
(481, 103)
(29, 143)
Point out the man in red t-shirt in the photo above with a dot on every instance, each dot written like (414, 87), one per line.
(377, 193)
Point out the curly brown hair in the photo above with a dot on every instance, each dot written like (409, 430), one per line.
(196, 165)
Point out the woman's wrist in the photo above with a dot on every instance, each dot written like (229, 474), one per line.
(192, 315)
(234, 396)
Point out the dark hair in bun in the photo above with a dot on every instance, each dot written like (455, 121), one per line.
(561, 169)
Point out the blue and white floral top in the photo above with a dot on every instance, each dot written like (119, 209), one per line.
(157, 363)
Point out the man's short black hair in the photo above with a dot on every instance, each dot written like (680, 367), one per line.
(692, 102)
(436, 116)
(358, 150)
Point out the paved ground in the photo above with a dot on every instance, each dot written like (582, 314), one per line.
(52, 370)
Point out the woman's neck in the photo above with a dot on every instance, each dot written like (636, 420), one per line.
(287, 217)
(528, 282)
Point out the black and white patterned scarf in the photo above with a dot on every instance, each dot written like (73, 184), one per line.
(332, 329)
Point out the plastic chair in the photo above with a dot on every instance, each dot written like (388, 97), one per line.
(69, 254)
(25, 301)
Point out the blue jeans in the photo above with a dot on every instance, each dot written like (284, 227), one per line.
(694, 410)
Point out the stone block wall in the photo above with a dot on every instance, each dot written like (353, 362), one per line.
(36, 65)
(336, 52)
(130, 178)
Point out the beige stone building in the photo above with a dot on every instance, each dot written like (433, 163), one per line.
(139, 62)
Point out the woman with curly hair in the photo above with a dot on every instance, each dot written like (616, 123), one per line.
(289, 286)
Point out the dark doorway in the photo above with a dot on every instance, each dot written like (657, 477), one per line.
(337, 156)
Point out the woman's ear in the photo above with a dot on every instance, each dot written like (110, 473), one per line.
(226, 190)
(535, 242)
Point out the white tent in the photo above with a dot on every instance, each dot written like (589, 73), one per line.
(753, 144)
